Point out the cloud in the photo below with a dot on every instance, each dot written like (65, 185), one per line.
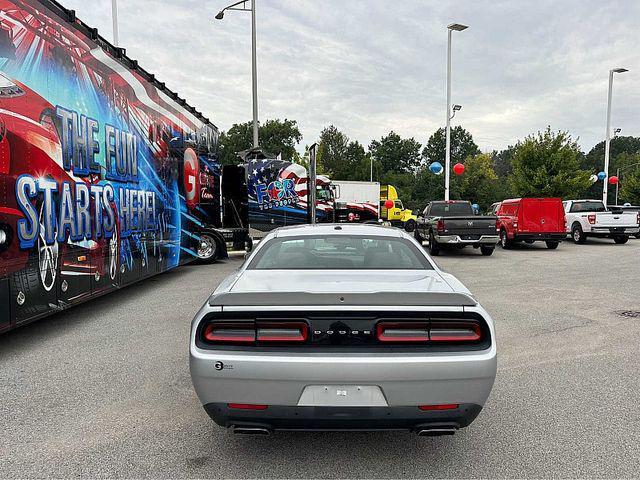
(372, 66)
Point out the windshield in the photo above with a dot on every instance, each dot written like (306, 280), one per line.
(339, 252)
(595, 206)
(451, 209)
(324, 193)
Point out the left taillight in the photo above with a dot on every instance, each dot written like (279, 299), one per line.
(252, 333)
(445, 331)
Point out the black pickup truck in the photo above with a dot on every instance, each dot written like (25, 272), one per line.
(453, 224)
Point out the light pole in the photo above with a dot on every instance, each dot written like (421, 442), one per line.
(608, 135)
(254, 61)
(114, 19)
(447, 158)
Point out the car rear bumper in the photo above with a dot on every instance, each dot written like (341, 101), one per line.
(343, 418)
(541, 236)
(460, 240)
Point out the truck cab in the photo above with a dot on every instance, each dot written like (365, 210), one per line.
(397, 215)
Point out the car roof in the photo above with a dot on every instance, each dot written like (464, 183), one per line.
(338, 229)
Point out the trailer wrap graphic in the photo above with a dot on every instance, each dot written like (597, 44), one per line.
(100, 170)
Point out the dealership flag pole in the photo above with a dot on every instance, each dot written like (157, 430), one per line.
(312, 184)
(114, 17)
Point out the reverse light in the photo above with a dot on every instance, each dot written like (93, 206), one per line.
(592, 219)
(446, 406)
(247, 406)
(402, 331)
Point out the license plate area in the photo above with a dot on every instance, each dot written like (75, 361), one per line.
(342, 396)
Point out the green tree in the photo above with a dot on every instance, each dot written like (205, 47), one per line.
(594, 160)
(276, 137)
(396, 154)
(341, 158)
(547, 165)
(630, 188)
(462, 146)
(479, 183)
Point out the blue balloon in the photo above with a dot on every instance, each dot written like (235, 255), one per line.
(436, 167)
(476, 207)
(602, 176)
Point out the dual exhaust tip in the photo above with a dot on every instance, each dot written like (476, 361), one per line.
(423, 432)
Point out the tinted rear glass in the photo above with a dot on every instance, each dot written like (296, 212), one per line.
(594, 206)
(339, 252)
(451, 209)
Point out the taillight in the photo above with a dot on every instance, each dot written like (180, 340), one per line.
(455, 332)
(638, 218)
(592, 219)
(402, 331)
(247, 406)
(282, 332)
(429, 332)
(227, 332)
(515, 225)
(440, 226)
(497, 225)
(252, 332)
(445, 406)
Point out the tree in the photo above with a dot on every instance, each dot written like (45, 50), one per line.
(479, 183)
(462, 146)
(630, 188)
(547, 165)
(276, 137)
(396, 154)
(595, 158)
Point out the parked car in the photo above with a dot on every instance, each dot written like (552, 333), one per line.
(453, 224)
(530, 220)
(590, 218)
(338, 327)
(626, 208)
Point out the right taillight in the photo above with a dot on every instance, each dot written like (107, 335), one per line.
(638, 218)
(592, 219)
(440, 331)
(498, 225)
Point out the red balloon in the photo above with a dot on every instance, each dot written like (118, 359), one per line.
(458, 169)
(388, 204)
(613, 180)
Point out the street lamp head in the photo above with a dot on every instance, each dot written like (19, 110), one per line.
(458, 27)
(220, 15)
(457, 108)
(619, 70)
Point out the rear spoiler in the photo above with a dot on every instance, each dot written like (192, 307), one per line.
(374, 299)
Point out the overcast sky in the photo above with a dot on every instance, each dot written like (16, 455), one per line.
(372, 66)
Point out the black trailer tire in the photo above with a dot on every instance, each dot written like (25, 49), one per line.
(621, 239)
(505, 243)
(577, 234)
(487, 251)
(208, 248)
(434, 248)
(410, 225)
(552, 244)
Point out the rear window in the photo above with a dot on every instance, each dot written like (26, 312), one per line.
(339, 252)
(594, 206)
(450, 209)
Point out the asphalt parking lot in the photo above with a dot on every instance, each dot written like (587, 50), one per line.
(103, 390)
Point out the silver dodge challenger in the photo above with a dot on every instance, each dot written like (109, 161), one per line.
(342, 327)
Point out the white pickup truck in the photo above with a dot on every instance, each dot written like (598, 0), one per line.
(590, 218)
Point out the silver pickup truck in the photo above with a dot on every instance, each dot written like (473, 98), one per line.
(590, 218)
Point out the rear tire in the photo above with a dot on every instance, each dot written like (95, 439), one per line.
(417, 236)
(434, 248)
(621, 239)
(410, 225)
(577, 234)
(504, 240)
(552, 245)
(487, 251)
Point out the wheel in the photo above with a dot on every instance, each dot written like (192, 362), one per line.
(416, 234)
(487, 251)
(504, 240)
(577, 234)
(410, 225)
(551, 244)
(207, 248)
(621, 239)
(434, 248)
